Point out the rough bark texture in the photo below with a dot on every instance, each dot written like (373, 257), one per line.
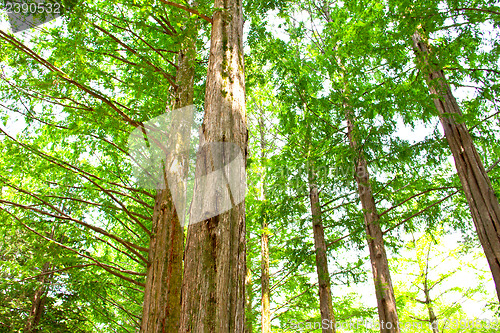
(325, 294)
(213, 293)
(384, 291)
(483, 203)
(162, 295)
(38, 301)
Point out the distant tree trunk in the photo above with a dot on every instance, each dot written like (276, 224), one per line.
(264, 242)
(38, 301)
(384, 291)
(476, 184)
(433, 320)
(265, 284)
(430, 309)
(249, 302)
(325, 293)
(213, 292)
(162, 295)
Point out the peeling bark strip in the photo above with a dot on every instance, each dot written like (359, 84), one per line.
(213, 291)
(162, 295)
(476, 184)
(325, 293)
(384, 291)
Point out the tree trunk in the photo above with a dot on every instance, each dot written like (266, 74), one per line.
(428, 303)
(476, 184)
(213, 292)
(384, 291)
(264, 242)
(325, 293)
(265, 285)
(38, 302)
(249, 302)
(162, 295)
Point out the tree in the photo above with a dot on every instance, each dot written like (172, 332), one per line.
(215, 261)
(433, 295)
(483, 202)
(120, 51)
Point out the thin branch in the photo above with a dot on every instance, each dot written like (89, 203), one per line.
(110, 269)
(420, 212)
(23, 48)
(56, 271)
(190, 10)
(414, 196)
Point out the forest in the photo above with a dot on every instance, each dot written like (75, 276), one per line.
(249, 166)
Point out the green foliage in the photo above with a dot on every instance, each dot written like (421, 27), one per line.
(73, 90)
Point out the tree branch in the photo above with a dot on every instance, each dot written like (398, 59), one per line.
(190, 10)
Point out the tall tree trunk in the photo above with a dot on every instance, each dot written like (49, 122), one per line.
(476, 184)
(325, 293)
(162, 295)
(213, 292)
(384, 291)
(264, 241)
(38, 301)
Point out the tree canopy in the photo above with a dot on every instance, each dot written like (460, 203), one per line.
(369, 133)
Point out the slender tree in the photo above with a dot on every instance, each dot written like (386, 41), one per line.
(384, 290)
(162, 295)
(483, 203)
(264, 237)
(325, 293)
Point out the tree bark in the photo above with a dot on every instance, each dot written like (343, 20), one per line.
(264, 242)
(481, 198)
(384, 291)
(162, 295)
(38, 302)
(213, 293)
(325, 293)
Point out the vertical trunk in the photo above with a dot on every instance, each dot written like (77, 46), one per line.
(476, 184)
(265, 285)
(384, 291)
(430, 309)
(325, 294)
(249, 302)
(162, 295)
(428, 301)
(38, 302)
(213, 292)
(264, 244)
